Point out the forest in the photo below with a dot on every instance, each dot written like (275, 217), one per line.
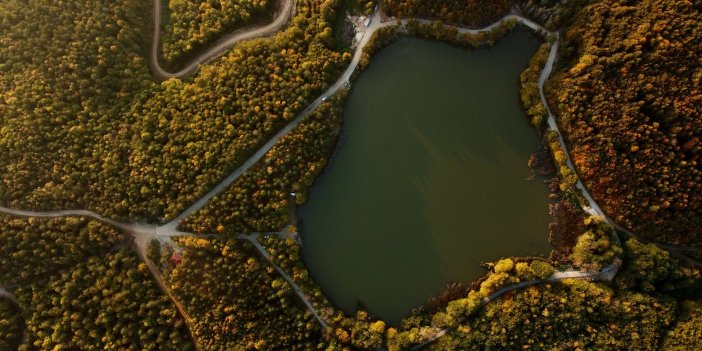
(651, 298)
(686, 335)
(11, 325)
(651, 305)
(69, 70)
(552, 14)
(192, 25)
(529, 80)
(105, 302)
(80, 286)
(32, 248)
(238, 301)
(94, 130)
(629, 101)
(83, 124)
(472, 13)
(261, 200)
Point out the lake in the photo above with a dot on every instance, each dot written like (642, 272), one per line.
(430, 178)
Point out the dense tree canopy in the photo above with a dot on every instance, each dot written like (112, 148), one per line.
(238, 301)
(261, 199)
(80, 286)
(472, 13)
(31, 248)
(569, 316)
(108, 302)
(68, 71)
(192, 24)
(649, 269)
(594, 249)
(529, 80)
(552, 14)
(85, 126)
(11, 325)
(641, 311)
(629, 100)
(687, 333)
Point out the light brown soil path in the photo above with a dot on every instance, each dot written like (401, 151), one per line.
(143, 233)
(281, 17)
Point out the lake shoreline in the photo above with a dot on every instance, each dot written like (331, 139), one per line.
(410, 136)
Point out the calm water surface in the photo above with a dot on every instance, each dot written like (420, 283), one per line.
(430, 179)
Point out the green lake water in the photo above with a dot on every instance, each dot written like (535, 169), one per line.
(430, 177)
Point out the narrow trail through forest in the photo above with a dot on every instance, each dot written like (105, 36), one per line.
(5, 294)
(158, 278)
(283, 13)
(8, 295)
(253, 239)
(144, 233)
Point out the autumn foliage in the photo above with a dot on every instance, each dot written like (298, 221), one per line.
(629, 101)
(239, 301)
(472, 13)
(84, 124)
(262, 199)
(106, 302)
(193, 24)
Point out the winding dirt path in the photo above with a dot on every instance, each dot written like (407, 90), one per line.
(606, 274)
(8, 295)
(374, 25)
(144, 233)
(65, 213)
(158, 278)
(252, 238)
(281, 17)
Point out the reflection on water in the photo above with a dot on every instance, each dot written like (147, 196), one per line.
(430, 179)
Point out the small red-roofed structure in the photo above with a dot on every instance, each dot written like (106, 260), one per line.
(176, 259)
